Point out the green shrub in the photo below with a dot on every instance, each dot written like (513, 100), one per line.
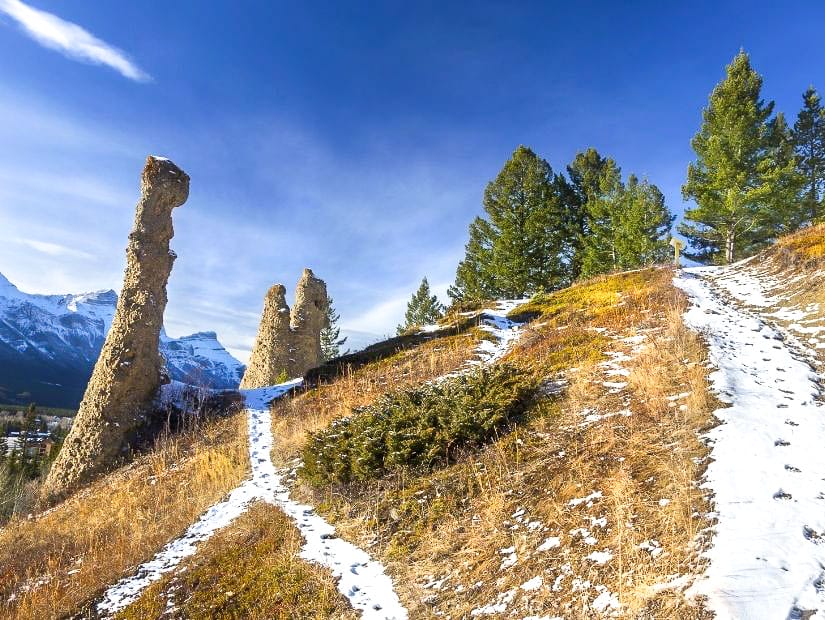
(417, 428)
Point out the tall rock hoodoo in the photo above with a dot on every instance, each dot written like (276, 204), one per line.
(288, 343)
(127, 375)
(270, 355)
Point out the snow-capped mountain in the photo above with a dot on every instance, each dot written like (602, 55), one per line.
(49, 344)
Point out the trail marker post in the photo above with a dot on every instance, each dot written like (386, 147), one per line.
(678, 246)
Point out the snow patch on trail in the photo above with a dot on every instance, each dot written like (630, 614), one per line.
(767, 559)
(505, 331)
(362, 580)
(220, 515)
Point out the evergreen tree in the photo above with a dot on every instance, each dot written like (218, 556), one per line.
(586, 173)
(643, 225)
(473, 280)
(809, 143)
(422, 309)
(787, 208)
(599, 251)
(735, 179)
(519, 248)
(331, 341)
(626, 226)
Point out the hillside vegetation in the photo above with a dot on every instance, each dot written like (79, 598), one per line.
(586, 503)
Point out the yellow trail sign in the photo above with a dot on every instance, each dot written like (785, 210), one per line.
(678, 246)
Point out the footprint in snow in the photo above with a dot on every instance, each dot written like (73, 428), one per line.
(812, 535)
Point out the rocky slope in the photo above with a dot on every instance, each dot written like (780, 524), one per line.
(49, 344)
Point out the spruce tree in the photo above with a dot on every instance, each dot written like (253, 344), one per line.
(331, 341)
(473, 280)
(643, 224)
(519, 247)
(735, 179)
(586, 173)
(422, 309)
(625, 226)
(809, 143)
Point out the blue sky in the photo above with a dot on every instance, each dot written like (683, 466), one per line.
(354, 138)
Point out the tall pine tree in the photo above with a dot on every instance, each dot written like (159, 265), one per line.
(473, 278)
(519, 247)
(598, 250)
(422, 309)
(331, 341)
(787, 209)
(586, 173)
(809, 143)
(735, 178)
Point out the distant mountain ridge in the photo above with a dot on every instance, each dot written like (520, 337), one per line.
(49, 345)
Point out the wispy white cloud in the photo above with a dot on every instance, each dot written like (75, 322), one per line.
(70, 39)
(54, 249)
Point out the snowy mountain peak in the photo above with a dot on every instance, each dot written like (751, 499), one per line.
(7, 289)
(104, 298)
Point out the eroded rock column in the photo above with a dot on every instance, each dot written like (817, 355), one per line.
(127, 375)
(309, 317)
(270, 361)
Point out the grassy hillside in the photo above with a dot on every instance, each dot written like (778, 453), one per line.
(583, 501)
(249, 570)
(53, 564)
(602, 457)
(602, 465)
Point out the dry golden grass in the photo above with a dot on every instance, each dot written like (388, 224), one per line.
(53, 564)
(249, 570)
(807, 244)
(295, 418)
(453, 523)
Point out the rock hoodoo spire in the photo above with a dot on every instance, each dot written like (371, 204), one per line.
(127, 375)
(288, 343)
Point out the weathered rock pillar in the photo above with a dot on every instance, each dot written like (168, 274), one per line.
(270, 355)
(127, 375)
(288, 343)
(309, 317)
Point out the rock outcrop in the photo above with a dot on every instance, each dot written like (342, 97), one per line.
(127, 375)
(288, 343)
